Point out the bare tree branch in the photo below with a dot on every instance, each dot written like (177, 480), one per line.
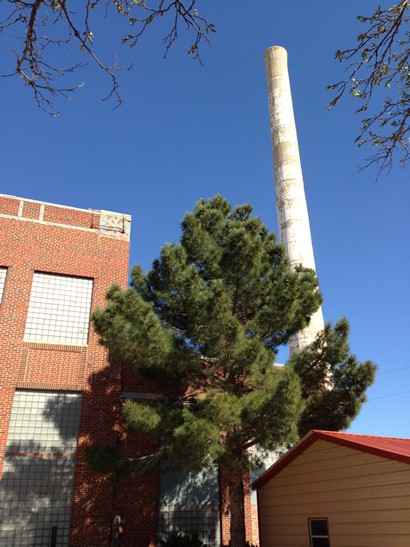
(380, 64)
(42, 20)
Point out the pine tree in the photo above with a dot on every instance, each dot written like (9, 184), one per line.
(205, 324)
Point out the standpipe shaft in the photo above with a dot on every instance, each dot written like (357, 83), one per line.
(293, 218)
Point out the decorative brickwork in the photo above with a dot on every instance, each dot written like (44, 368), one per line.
(40, 362)
(105, 222)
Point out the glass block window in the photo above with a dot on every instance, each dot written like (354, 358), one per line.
(189, 503)
(200, 520)
(47, 421)
(35, 495)
(37, 482)
(3, 273)
(59, 309)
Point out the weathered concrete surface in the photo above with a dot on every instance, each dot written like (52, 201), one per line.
(293, 218)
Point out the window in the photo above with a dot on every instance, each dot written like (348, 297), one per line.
(37, 482)
(189, 502)
(47, 420)
(3, 273)
(59, 309)
(319, 533)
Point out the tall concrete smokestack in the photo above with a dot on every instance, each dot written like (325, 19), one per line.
(291, 205)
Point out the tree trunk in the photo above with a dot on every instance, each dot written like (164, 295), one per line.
(237, 506)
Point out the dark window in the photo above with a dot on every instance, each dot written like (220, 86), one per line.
(3, 273)
(319, 533)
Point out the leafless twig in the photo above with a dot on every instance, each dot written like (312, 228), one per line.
(40, 20)
(381, 60)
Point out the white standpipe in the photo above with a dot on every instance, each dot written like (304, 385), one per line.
(293, 218)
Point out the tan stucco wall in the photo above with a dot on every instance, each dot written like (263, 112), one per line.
(365, 498)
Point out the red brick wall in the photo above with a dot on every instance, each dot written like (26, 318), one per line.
(54, 239)
(9, 205)
(72, 217)
(255, 525)
(251, 526)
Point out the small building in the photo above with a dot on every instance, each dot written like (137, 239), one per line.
(339, 490)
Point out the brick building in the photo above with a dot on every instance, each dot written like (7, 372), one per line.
(59, 392)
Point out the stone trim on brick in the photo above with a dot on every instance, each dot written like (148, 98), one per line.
(107, 223)
(53, 386)
(140, 396)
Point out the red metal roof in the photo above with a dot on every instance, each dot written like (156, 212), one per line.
(386, 447)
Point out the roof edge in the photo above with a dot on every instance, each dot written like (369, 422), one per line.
(61, 206)
(285, 460)
(349, 440)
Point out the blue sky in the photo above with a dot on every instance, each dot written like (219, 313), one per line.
(186, 132)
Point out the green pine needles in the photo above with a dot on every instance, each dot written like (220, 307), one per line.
(205, 324)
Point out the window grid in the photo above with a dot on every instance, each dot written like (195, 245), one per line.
(37, 482)
(44, 422)
(3, 273)
(59, 309)
(35, 495)
(202, 520)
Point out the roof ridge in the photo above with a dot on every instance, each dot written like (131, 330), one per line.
(344, 433)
